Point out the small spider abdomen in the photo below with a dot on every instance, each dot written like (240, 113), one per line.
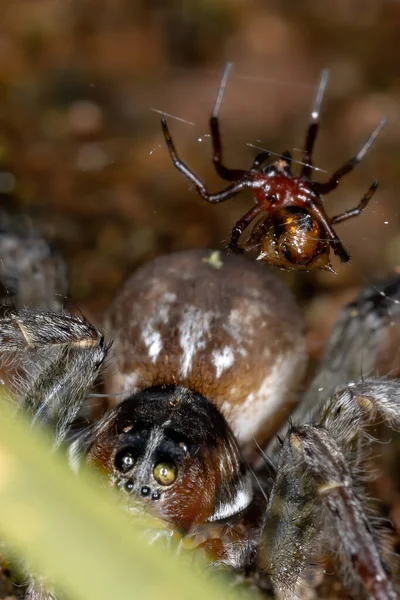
(291, 239)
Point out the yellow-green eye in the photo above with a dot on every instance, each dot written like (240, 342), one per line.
(165, 473)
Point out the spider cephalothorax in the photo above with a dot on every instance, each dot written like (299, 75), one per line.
(150, 449)
(297, 232)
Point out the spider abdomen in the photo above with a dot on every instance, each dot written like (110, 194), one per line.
(221, 327)
(291, 239)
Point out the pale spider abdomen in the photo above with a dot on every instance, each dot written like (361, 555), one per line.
(227, 329)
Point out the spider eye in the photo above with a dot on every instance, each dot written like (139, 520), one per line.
(165, 473)
(124, 460)
(128, 487)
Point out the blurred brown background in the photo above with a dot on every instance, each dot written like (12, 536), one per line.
(79, 80)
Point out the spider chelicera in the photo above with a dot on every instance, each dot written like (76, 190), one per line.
(296, 233)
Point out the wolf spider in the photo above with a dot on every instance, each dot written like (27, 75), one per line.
(296, 233)
(208, 354)
(169, 443)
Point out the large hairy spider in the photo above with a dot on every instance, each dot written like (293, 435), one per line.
(207, 353)
(296, 233)
(208, 358)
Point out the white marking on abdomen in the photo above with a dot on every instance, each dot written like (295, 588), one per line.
(152, 341)
(222, 360)
(193, 328)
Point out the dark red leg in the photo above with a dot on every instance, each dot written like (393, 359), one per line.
(318, 213)
(313, 126)
(241, 225)
(325, 188)
(224, 172)
(354, 212)
(229, 192)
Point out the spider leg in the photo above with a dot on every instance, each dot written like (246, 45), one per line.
(351, 410)
(326, 464)
(224, 172)
(354, 212)
(313, 127)
(325, 188)
(241, 225)
(60, 355)
(313, 500)
(229, 192)
(362, 331)
(319, 213)
(290, 538)
(37, 591)
(259, 159)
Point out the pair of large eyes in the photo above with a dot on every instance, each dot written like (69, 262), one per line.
(164, 472)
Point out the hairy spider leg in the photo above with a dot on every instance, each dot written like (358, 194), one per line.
(316, 486)
(333, 182)
(352, 349)
(313, 127)
(350, 530)
(348, 415)
(229, 192)
(61, 355)
(354, 212)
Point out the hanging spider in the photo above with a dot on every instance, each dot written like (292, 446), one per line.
(296, 233)
(206, 354)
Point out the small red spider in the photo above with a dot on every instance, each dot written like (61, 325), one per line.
(296, 233)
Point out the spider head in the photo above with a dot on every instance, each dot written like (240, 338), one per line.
(186, 474)
(291, 238)
(280, 166)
